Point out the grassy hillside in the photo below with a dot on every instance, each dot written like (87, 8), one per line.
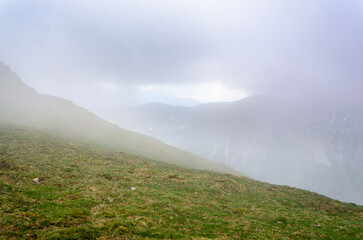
(84, 192)
(22, 105)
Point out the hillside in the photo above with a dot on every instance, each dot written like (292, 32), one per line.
(310, 143)
(84, 192)
(22, 105)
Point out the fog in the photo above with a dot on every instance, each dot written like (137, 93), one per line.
(299, 142)
(108, 55)
(102, 53)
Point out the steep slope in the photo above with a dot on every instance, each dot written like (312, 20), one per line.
(311, 144)
(22, 105)
(84, 192)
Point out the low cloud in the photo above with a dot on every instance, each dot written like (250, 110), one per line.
(281, 47)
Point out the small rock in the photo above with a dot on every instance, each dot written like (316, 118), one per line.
(36, 180)
(319, 226)
(132, 188)
(143, 224)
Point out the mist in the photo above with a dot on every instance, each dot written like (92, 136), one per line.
(106, 53)
(299, 142)
(208, 62)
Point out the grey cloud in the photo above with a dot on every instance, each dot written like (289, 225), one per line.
(310, 47)
(260, 46)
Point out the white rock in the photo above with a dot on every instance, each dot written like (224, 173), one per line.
(132, 188)
(36, 180)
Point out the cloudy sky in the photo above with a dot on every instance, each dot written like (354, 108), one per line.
(125, 52)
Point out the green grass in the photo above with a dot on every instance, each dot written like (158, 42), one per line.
(84, 193)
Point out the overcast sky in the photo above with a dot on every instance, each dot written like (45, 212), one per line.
(107, 52)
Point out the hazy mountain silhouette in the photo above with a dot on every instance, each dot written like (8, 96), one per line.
(310, 142)
(22, 105)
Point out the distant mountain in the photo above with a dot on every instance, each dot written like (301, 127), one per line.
(108, 112)
(308, 142)
(22, 105)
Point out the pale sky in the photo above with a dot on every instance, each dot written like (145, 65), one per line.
(98, 53)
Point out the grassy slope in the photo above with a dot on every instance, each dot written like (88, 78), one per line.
(84, 193)
(22, 105)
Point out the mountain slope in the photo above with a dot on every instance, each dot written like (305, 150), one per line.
(84, 192)
(22, 105)
(307, 143)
